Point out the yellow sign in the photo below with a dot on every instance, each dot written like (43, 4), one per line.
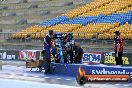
(111, 60)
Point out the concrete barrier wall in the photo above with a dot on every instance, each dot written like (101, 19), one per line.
(88, 57)
(9, 54)
(72, 69)
(109, 58)
(19, 55)
(28, 55)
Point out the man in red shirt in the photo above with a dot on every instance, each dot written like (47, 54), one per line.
(118, 48)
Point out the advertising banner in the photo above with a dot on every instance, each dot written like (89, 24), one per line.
(72, 69)
(109, 58)
(29, 55)
(92, 58)
(82, 77)
(9, 55)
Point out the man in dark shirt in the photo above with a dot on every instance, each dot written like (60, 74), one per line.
(118, 48)
(46, 51)
(78, 53)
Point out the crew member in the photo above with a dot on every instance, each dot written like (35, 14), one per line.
(46, 51)
(78, 53)
(69, 44)
(118, 48)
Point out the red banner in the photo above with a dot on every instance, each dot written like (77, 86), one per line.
(27, 55)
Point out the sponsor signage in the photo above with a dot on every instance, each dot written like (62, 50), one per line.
(8, 55)
(108, 70)
(92, 58)
(83, 78)
(109, 58)
(107, 78)
(105, 71)
(29, 55)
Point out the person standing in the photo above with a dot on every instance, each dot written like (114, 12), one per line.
(118, 48)
(78, 53)
(69, 47)
(46, 52)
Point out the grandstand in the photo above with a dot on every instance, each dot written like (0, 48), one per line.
(100, 17)
(94, 19)
(16, 15)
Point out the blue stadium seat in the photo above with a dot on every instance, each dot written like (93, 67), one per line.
(121, 18)
(54, 21)
(116, 18)
(82, 20)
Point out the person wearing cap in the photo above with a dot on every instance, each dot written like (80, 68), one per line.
(46, 51)
(118, 48)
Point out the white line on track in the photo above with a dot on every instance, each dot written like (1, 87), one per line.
(58, 78)
(67, 79)
(126, 85)
(36, 76)
(117, 84)
(46, 77)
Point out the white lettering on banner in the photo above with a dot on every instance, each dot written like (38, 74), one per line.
(104, 71)
(5, 56)
(9, 57)
(13, 57)
(91, 57)
(27, 55)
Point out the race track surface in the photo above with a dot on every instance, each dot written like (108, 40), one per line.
(22, 74)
